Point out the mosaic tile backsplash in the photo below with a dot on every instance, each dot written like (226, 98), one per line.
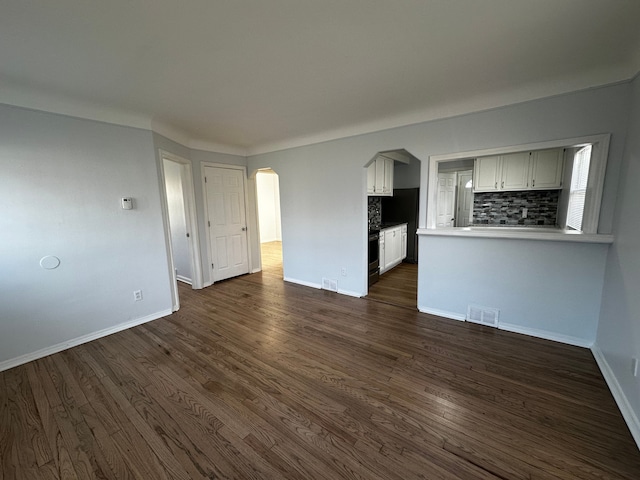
(375, 209)
(505, 208)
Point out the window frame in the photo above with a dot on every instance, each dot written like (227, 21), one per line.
(578, 190)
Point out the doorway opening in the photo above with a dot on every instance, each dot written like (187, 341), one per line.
(269, 222)
(392, 223)
(181, 231)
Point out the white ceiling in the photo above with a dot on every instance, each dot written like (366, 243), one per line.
(246, 76)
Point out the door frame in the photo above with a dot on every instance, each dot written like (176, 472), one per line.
(191, 221)
(250, 233)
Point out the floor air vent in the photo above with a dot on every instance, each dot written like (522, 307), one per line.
(483, 315)
(330, 284)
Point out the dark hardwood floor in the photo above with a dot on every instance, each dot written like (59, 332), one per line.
(257, 378)
(398, 286)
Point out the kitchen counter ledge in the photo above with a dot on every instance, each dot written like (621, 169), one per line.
(518, 233)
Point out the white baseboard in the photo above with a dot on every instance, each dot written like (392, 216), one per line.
(628, 414)
(547, 335)
(256, 270)
(302, 282)
(319, 286)
(22, 359)
(182, 279)
(443, 313)
(350, 293)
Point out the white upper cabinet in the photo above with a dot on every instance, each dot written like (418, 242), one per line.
(515, 171)
(546, 169)
(380, 177)
(487, 173)
(371, 179)
(539, 170)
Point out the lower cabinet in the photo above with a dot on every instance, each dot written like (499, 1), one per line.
(393, 247)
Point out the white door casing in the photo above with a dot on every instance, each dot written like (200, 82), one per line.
(191, 222)
(225, 199)
(445, 216)
(174, 175)
(465, 199)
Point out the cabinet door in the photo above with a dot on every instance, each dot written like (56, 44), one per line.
(371, 178)
(403, 242)
(546, 169)
(487, 173)
(379, 183)
(515, 171)
(388, 176)
(391, 247)
(381, 256)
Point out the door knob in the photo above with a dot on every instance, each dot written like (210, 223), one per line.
(244, 229)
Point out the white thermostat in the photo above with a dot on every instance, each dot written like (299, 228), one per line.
(127, 203)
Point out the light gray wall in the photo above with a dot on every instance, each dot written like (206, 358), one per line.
(62, 180)
(324, 214)
(177, 219)
(619, 329)
(547, 289)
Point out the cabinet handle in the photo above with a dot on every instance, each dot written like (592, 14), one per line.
(496, 187)
(502, 186)
(533, 183)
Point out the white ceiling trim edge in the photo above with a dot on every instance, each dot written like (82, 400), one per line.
(61, 105)
(181, 137)
(31, 99)
(521, 94)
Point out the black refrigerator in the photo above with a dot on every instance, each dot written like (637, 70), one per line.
(403, 208)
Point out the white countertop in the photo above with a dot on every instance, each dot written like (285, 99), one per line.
(519, 233)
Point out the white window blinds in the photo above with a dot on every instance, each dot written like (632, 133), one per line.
(578, 190)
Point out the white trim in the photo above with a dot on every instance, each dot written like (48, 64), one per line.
(619, 396)
(318, 286)
(256, 270)
(596, 174)
(184, 279)
(447, 110)
(443, 313)
(183, 138)
(191, 220)
(303, 283)
(22, 359)
(555, 235)
(532, 332)
(350, 293)
(545, 334)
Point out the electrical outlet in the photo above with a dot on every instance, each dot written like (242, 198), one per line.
(137, 295)
(343, 271)
(634, 366)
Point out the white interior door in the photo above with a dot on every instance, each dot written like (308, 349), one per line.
(227, 222)
(465, 199)
(178, 220)
(446, 200)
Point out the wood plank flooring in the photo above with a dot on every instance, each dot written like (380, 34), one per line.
(255, 378)
(398, 286)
